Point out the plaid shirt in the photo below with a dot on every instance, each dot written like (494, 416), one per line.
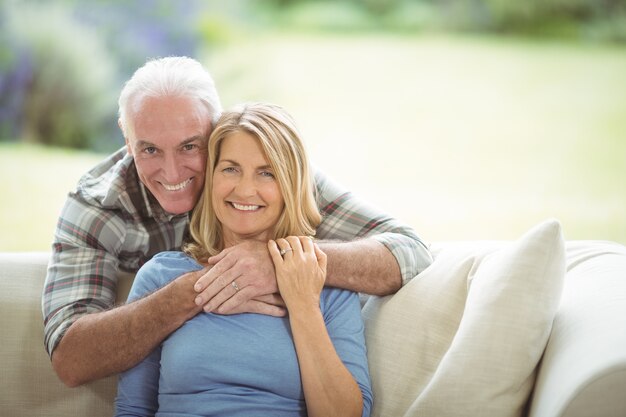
(112, 222)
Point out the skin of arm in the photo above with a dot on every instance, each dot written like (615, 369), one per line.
(329, 388)
(101, 344)
(364, 265)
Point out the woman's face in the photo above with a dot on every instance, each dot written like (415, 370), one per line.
(246, 196)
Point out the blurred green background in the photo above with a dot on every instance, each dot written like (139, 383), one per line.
(467, 119)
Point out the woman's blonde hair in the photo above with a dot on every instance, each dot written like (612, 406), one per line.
(276, 132)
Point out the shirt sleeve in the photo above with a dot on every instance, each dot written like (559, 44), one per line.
(345, 218)
(342, 316)
(138, 387)
(82, 273)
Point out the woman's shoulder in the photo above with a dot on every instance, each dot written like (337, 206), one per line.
(171, 264)
(176, 259)
(161, 269)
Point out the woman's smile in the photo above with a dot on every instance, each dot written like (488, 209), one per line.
(245, 207)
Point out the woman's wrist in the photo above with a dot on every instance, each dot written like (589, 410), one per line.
(304, 310)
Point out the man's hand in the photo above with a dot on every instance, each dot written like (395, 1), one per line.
(242, 279)
(270, 305)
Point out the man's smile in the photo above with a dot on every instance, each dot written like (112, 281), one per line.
(176, 187)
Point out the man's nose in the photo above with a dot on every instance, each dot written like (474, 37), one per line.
(171, 169)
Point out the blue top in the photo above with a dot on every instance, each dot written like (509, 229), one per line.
(233, 365)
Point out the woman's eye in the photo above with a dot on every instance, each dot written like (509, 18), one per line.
(229, 170)
(267, 174)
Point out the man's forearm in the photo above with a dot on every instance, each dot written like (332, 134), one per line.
(102, 344)
(363, 265)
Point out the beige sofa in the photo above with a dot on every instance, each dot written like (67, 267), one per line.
(582, 373)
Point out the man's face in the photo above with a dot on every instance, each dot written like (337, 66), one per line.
(167, 137)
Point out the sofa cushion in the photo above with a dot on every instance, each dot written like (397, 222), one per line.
(466, 335)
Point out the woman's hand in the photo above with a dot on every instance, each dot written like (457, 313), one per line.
(300, 272)
(329, 388)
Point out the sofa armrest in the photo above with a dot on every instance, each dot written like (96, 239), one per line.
(583, 371)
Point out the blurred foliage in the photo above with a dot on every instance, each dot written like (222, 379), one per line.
(57, 78)
(600, 20)
(63, 62)
(326, 15)
(219, 23)
(142, 29)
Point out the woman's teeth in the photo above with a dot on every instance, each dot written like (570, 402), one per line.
(244, 207)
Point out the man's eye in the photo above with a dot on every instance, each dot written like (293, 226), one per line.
(190, 147)
(150, 150)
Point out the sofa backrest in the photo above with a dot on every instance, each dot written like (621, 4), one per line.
(29, 386)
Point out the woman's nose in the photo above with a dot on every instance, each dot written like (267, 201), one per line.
(246, 186)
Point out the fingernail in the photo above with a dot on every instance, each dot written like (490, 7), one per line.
(197, 287)
(198, 301)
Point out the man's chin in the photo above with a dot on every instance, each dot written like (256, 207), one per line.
(177, 207)
(177, 202)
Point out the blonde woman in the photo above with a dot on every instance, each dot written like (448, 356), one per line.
(312, 362)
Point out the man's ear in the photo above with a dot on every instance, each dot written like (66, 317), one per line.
(129, 149)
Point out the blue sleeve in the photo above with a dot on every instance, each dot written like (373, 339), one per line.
(342, 315)
(138, 387)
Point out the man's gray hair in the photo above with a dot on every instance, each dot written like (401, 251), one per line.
(177, 76)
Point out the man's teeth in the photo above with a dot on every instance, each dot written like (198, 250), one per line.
(177, 187)
(244, 207)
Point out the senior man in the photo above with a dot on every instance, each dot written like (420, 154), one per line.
(137, 202)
